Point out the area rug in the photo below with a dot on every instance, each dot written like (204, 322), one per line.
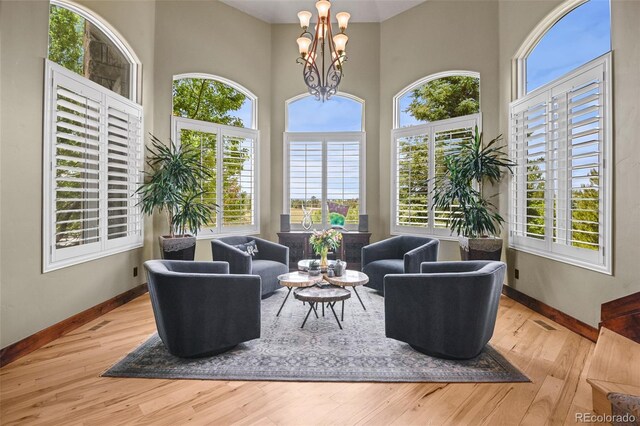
(320, 352)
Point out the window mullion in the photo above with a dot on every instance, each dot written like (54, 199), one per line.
(323, 207)
(219, 179)
(103, 188)
(431, 167)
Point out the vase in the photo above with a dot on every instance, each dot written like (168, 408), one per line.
(323, 258)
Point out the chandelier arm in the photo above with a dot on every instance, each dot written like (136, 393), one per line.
(323, 79)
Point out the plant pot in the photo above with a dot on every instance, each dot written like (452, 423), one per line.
(178, 248)
(487, 248)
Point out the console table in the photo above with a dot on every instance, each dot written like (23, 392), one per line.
(349, 250)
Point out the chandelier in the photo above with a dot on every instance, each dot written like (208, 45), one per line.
(321, 54)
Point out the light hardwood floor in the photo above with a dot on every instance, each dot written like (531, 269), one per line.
(60, 384)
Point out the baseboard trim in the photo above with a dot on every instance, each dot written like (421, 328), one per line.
(42, 337)
(573, 324)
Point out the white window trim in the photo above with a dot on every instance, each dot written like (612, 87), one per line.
(324, 137)
(220, 130)
(114, 36)
(423, 81)
(546, 248)
(431, 129)
(519, 61)
(78, 254)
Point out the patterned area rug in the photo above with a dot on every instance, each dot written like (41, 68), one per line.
(320, 352)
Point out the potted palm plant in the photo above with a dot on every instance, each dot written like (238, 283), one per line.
(173, 185)
(458, 191)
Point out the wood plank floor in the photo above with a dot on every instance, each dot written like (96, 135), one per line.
(60, 384)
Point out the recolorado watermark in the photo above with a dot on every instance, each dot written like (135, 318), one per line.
(626, 418)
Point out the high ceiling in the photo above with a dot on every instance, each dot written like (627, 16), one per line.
(285, 11)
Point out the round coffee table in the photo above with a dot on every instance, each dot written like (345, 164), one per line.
(328, 294)
(350, 279)
(294, 280)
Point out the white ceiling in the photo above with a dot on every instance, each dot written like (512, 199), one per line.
(285, 11)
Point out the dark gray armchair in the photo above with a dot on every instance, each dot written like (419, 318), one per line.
(397, 255)
(271, 260)
(448, 311)
(200, 309)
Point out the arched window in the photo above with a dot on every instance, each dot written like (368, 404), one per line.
(438, 97)
(430, 115)
(324, 165)
(219, 117)
(342, 114)
(569, 37)
(560, 137)
(81, 42)
(93, 149)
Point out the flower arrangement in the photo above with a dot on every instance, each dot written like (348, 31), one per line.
(323, 241)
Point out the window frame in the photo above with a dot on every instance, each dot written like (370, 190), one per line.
(135, 83)
(425, 80)
(306, 95)
(519, 61)
(547, 247)
(324, 138)
(231, 83)
(54, 259)
(178, 123)
(221, 130)
(431, 129)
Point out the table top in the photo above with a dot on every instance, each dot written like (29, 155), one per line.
(298, 279)
(349, 278)
(325, 293)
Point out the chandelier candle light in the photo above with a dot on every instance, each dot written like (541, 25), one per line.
(322, 74)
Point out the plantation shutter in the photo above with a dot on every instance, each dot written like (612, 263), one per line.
(230, 155)
(124, 163)
(77, 125)
(305, 178)
(204, 140)
(419, 160)
(529, 151)
(238, 172)
(559, 137)
(412, 175)
(446, 137)
(343, 177)
(93, 158)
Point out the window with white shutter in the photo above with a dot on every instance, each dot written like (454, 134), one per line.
(324, 175)
(230, 153)
(238, 179)
(92, 166)
(560, 136)
(324, 161)
(305, 179)
(418, 159)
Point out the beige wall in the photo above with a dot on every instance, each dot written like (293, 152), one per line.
(172, 37)
(213, 38)
(30, 300)
(577, 291)
(361, 79)
(434, 37)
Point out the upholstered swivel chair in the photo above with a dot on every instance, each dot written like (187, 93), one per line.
(200, 309)
(448, 311)
(397, 255)
(269, 261)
